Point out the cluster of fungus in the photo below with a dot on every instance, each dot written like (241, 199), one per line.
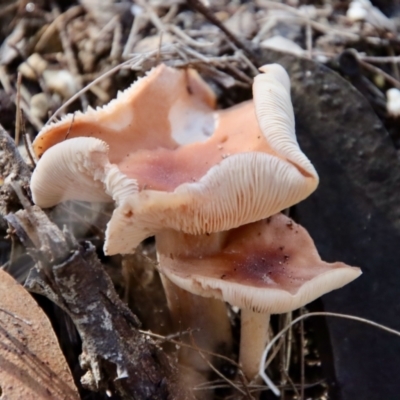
(209, 185)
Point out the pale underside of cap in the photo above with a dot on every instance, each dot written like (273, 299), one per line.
(240, 189)
(78, 169)
(271, 266)
(230, 168)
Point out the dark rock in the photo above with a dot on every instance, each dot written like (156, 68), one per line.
(7, 111)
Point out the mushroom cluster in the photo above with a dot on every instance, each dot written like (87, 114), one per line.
(209, 185)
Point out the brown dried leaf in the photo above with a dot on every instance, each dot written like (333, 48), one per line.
(32, 365)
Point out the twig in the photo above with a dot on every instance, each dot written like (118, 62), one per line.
(202, 9)
(379, 60)
(289, 316)
(116, 46)
(138, 22)
(394, 64)
(18, 110)
(69, 54)
(179, 343)
(51, 30)
(309, 44)
(292, 385)
(244, 382)
(378, 71)
(302, 361)
(275, 352)
(134, 61)
(282, 322)
(231, 383)
(5, 80)
(29, 149)
(320, 27)
(191, 42)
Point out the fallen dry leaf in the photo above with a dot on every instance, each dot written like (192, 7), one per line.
(32, 365)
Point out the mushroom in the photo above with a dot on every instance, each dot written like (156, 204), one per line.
(245, 158)
(267, 267)
(173, 164)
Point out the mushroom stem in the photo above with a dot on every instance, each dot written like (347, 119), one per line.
(185, 245)
(205, 318)
(253, 339)
(204, 324)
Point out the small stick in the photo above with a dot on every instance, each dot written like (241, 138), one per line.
(134, 61)
(4, 80)
(302, 365)
(289, 379)
(158, 56)
(183, 344)
(29, 149)
(275, 352)
(202, 9)
(69, 53)
(191, 42)
(394, 65)
(132, 36)
(318, 26)
(70, 126)
(380, 60)
(378, 71)
(215, 369)
(282, 358)
(18, 112)
(309, 40)
(116, 46)
(289, 318)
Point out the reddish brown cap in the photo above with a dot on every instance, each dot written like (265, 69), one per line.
(271, 266)
(154, 110)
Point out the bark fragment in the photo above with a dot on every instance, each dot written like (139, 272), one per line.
(31, 362)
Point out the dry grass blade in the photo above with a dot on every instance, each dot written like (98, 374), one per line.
(302, 356)
(132, 62)
(378, 71)
(69, 54)
(18, 115)
(201, 8)
(262, 372)
(379, 60)
(231, 383)
(179, 343)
